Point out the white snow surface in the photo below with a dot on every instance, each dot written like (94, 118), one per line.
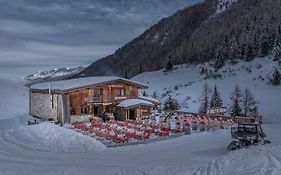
(185, 82)
(134, 102)
(52, 138)
(54, 73)
(48, 149)
(223, 5)
(80, 82)
(149, 99)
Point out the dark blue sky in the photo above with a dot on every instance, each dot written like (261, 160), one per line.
(43, 34)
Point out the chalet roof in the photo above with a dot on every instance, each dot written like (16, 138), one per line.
(134, 102)
(151, 99)
(72, 84)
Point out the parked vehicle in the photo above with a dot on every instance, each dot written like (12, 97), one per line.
(247, 134)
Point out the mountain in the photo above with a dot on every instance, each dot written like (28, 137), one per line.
(53, 75)
(215, 30)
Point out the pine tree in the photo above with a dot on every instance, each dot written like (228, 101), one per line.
(169, 66)
(276, 77)
(144, 94)
(219, 63)
(171, 104)
(154, 95)
(205, 99)
(140, 69)
(249, 104)
(276, 52)
(126, 74)
(216, 100)
(236, 99)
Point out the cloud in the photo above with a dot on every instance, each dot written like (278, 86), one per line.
(23, 27)
(50, 33)
(38, 54)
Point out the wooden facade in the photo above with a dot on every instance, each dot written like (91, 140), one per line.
(92, 100)
(99, 99)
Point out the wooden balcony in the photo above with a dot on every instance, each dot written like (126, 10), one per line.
(107, 99)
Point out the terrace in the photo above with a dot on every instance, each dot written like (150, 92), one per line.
(154, 128)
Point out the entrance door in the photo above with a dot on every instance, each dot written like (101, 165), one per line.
(96, 110)
(132, 114)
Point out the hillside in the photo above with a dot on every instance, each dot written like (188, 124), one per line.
(185, 84)
(216, 30)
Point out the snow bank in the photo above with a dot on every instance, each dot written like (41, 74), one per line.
(50, 137)
(260, 160)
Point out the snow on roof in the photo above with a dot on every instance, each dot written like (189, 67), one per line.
(82, 82)
(151, 99)
(134, 102)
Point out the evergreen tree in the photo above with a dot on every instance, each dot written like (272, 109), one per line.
(140, 69)
(144, 94)
(205, 99)
(126, 74)
(277, 37)
(216, 100)
(154, 95)
(276, 77)
(169, 66)
(219, 63)
(171, 104)
(236, 99)
(249, 104)
(276, 52)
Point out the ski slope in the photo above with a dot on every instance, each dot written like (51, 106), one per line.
(48, 149)
(186, 81)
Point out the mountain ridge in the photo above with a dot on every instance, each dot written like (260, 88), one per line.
(197, 34)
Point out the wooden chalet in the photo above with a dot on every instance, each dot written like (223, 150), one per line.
(95, 96)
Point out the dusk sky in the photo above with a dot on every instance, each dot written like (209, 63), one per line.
(45, 34)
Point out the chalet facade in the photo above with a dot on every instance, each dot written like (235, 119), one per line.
(94, 96)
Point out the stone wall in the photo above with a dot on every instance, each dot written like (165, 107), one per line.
(44, 105)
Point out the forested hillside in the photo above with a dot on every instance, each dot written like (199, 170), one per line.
(203, 32)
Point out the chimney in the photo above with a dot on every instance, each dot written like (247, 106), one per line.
(50, 87)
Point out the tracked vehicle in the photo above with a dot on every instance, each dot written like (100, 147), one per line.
(248, 132)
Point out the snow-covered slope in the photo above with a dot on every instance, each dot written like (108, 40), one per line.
(185, 83)
(223, 5)
(54, 73)
(47, 149)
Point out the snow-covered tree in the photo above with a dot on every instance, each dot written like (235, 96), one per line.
(216, 100)
(154, 94)
(204, 99)
(171, 104)
(219, 55)
(236, 100)
(276, 52)
(249, 104)
(276, 77)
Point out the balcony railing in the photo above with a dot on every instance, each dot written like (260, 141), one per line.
(107, 99)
